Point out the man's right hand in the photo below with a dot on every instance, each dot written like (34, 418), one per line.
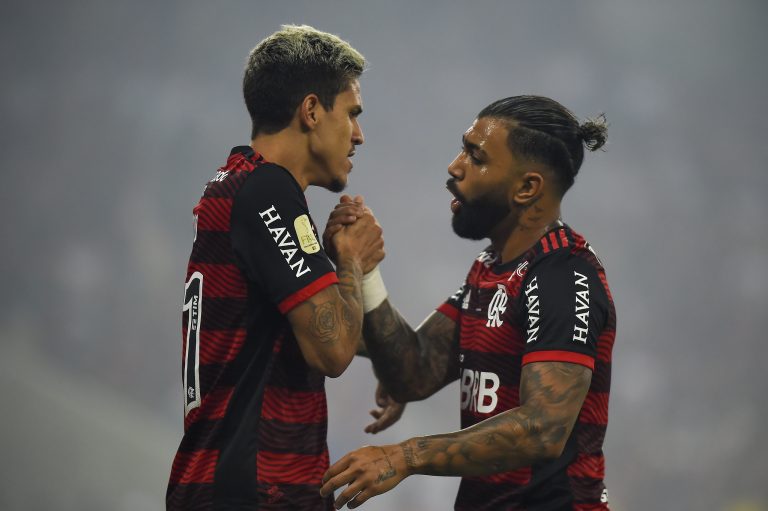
(353, 232)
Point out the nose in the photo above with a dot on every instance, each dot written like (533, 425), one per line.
(357, 134)
(455, 169)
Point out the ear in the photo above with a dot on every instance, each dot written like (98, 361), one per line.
(528, 189)
(309, 111)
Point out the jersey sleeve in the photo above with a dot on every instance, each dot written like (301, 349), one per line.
(452, 306)
(275, 241)
(566, 308)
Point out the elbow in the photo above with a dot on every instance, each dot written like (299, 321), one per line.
(553, 451)
(332, 367)
(553, 443)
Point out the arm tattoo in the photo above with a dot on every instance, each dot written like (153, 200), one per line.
(552, 394)
(411, 364)
(325, 326)
(350, 290)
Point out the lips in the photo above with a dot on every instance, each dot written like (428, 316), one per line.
(457, 199)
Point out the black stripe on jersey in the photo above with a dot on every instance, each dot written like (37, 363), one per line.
(200, 435)
(601, 377)
(180, 496)
(589, 437)
(292, 496)
(587, 490)
(483, 496)
(223, 313)
(212, 247)
(278, 436)
(506, 367)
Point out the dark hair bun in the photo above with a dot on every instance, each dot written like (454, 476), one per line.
(594, 132)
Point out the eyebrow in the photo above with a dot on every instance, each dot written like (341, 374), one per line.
(471, 146)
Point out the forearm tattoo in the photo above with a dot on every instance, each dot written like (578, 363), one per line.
(352, 307)
(552, 393)
(411, 365)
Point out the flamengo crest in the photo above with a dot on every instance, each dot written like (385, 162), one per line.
(497, 307)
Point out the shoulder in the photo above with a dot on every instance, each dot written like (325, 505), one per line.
(268, 176)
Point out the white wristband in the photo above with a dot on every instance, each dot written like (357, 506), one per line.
(373, 290)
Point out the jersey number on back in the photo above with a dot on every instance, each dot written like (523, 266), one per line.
(193, 306)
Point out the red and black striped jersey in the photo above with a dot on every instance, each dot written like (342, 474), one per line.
(550, 304)
(255, 413)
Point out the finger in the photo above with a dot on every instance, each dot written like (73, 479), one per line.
(347, 209)
(361, 497)
(349, 492)
(376, 413)
(330, 230)
(345, 198)
(334, 483)
(358, 199)
(337, 468)
(345, 219)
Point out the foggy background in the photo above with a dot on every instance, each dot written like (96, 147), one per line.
(115, 114)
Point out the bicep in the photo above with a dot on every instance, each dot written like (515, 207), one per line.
(321, 324)
(319, 318)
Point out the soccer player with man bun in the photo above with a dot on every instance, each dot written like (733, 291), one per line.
(266, 318)
(528, 334)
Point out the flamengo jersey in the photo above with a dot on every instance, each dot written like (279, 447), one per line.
(255, 414)
(551, 304)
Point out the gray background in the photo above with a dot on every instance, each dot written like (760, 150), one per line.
(114, 115)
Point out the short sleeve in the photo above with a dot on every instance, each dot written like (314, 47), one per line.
(275, 240)
(565, 309)
(452, 306)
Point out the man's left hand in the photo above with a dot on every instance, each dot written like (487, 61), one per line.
(367, 472)
(388, 413)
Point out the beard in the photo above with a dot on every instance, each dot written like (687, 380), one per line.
(476, 220)
(336, 185)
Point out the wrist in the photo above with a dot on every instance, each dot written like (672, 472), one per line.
(373, 290)
(410, 456)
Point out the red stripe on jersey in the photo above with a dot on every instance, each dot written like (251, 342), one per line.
(545, 245)
(307, 292)
(213, 406)
(517, 477)
(220, 346)
(213, 214)
(587, 465)
(289, 468)
(559, 356)
(220, 280)
(590, 507)
(563, 238)
(194, 467)
(553, 240)
(477, 337)
(451, 311)
(595, 408)
(295, 407)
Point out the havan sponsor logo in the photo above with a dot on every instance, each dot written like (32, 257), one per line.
(284, 240)
(581, 327)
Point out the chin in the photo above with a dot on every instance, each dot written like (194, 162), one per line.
(475, 222)
(337, 185)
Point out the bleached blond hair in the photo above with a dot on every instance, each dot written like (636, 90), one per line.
(291, 63)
